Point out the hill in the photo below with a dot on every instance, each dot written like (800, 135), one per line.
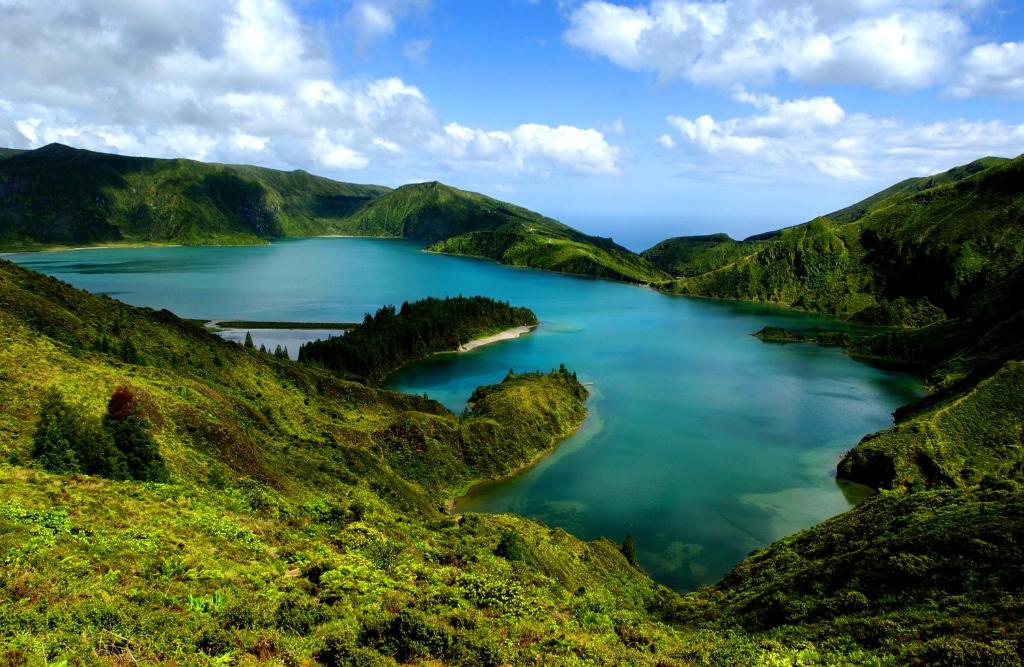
(466, 223)
(57, 195)
(9, 152)
(62, 196)
(923, 250)
(301, 517)
(688, 256)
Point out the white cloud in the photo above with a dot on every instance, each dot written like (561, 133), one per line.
(806, 139)
(374, 19)
(883, 44)
(666, 141)
(527, 147)
(992, 69)
(241, 81)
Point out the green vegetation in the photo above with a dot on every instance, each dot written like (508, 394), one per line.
(923, 578)
(961, 437)
(687, 256)
(58, 195)
(391, 338)
(61, 196)
(119, 447)
(912, 255)
(574, 253)
(780, 335)
(466, 223)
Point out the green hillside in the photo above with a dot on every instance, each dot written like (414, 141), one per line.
(62, 196)
(466, 223)
(929, 578)
(58, 195)
(917, 255)
(687, 256)
(302, 522)
(301, 518)
(912, 186)
(9, 152)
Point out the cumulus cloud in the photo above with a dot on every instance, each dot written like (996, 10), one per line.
(239, 81)
(564, 147)
(889, 45)
(992, 69)
(815, 137)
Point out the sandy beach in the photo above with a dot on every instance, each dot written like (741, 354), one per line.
(508, 334)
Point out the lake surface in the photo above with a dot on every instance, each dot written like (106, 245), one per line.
(702, 441)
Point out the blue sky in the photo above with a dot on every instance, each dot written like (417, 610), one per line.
(639, 120)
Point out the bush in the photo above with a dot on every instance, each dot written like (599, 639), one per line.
(511, 547)
(341, 650)
(68, 441)
(299, 614)
(130, 430)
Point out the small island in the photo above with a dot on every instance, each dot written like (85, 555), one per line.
(780, 335)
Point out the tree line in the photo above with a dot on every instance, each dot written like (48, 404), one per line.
(394, 337)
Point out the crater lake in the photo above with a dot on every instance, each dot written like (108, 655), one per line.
(702, 442)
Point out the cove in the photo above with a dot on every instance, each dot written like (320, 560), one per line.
(702, 441)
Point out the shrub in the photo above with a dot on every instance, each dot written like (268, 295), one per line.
(341, 650)
(67, 440)
(511, 547)
(299, 614)
(130, 430)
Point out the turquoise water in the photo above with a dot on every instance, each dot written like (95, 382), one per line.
(702, 441)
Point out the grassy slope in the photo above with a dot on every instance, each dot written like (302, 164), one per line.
(467, 223)
(924, 578)
(302, 507)
(687, 256)
(58, 195)
(943, 246)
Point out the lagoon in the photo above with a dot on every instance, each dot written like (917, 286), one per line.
(702, 441)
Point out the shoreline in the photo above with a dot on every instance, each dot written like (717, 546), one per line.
(507, 334)
(451, 505)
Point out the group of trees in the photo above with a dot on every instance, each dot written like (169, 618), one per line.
(392, 338)
(278, 353)
(119, 445)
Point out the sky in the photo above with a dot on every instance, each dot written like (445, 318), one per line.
(637, 120)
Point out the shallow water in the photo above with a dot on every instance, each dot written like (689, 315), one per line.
(702, 441)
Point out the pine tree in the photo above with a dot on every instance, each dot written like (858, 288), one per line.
(628, 549)
(53, 442)
(248, 340)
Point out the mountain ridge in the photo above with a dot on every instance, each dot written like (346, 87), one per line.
(63, 196)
